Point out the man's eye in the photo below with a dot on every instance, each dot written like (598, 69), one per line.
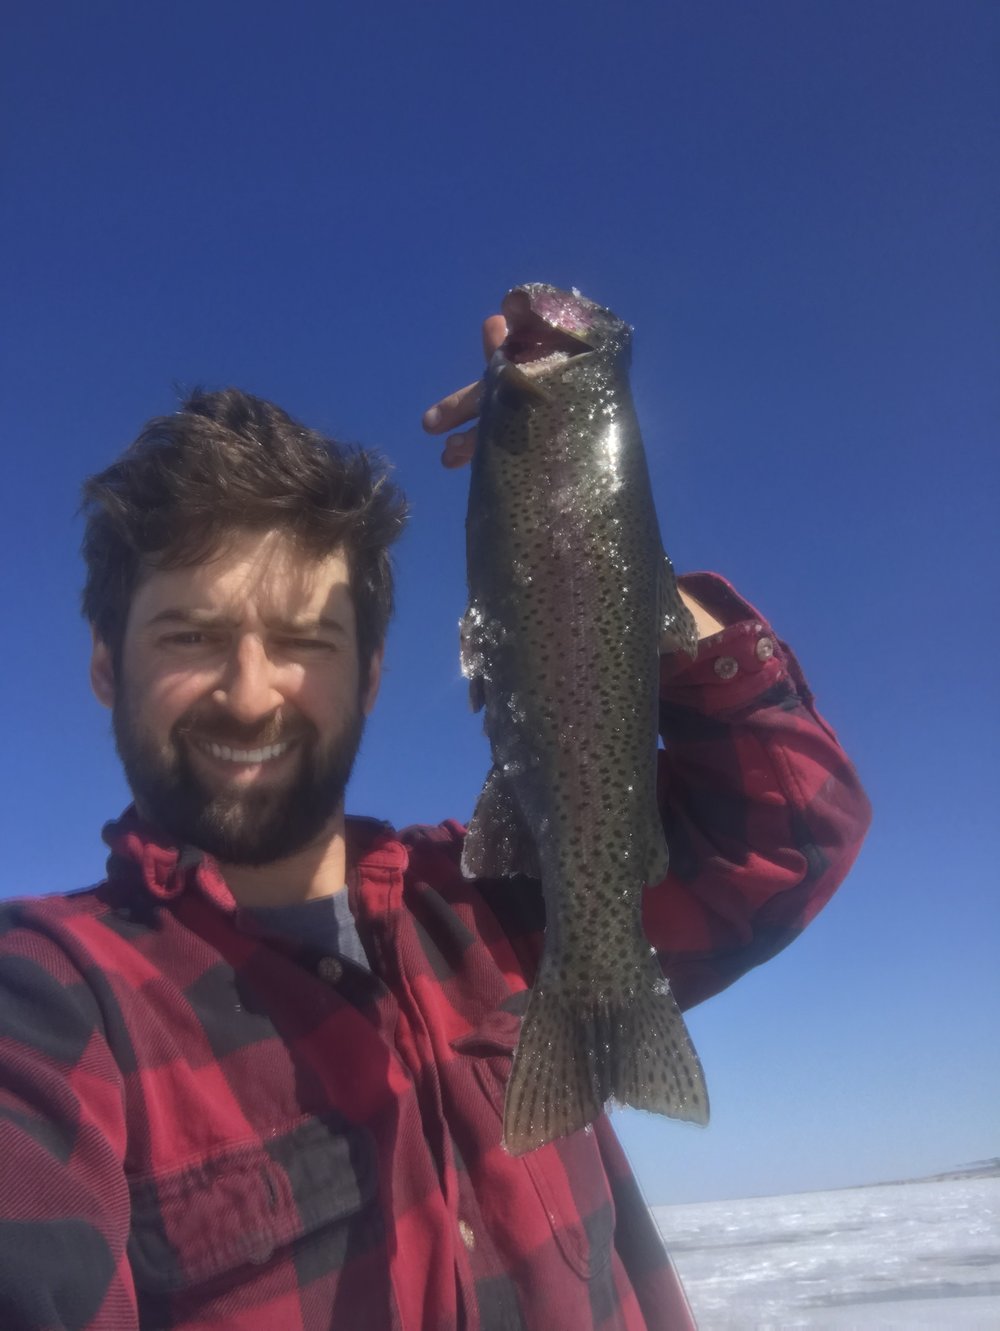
(310, 644)
(189, 638)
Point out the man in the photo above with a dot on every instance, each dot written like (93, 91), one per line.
(254, 1079)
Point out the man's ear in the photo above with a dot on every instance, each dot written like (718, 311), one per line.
(102, 672)
(374, 680)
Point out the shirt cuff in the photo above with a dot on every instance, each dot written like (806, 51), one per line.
(734, 667)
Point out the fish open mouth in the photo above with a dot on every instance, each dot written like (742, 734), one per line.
(533, 343)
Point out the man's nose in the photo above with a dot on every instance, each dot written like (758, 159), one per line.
(247, 690)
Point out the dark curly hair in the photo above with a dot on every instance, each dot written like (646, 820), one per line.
(229, 462)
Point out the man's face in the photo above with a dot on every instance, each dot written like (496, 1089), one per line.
(239, 708)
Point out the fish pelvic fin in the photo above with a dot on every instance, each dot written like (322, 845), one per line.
(498, 843)
(471, 656)
(578, 1052)
(676, 620)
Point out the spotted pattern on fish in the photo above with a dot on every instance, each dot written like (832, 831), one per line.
(569, 595)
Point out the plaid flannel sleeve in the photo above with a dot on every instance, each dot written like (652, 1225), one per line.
(64, 1208)
(763, 811)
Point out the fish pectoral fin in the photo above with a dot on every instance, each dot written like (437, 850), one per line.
(576, 1052)
(498, 843)
(677, 624)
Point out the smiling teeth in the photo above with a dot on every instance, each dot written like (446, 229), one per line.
(245, 755)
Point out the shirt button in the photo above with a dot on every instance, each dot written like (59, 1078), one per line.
(330, 970)
(764, 649)
(468, 1234)
(726, 667)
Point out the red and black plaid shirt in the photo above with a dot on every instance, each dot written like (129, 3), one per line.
(205, 1127)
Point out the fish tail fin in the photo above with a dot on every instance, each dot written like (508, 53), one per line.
(555, 1084)
(656, 1065)
(577, 1052)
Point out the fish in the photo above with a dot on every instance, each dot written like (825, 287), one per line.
(570, 597)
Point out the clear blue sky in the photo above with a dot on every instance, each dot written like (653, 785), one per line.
(795, 203)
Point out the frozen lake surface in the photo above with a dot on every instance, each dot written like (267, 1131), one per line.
(901, 1255)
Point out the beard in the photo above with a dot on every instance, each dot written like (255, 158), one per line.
(248, 825)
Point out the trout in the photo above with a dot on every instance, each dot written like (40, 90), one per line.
(570, 598)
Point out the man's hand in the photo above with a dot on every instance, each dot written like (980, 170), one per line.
(463, 406)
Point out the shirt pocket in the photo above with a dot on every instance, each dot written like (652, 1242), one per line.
(568, 1174)
(241, 1205)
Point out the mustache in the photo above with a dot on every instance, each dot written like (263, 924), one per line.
(274, 729)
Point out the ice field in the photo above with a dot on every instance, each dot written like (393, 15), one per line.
(902, 1255)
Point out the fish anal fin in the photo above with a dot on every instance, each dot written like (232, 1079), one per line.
(498, 843)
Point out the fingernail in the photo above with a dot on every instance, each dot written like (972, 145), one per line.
(432, 417)
(458, 450)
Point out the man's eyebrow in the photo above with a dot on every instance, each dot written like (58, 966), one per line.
(193, 617)
(309, 624)
(201, 618)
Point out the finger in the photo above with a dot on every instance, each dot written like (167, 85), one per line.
(455, 409)
(459, 448)
(494, 332)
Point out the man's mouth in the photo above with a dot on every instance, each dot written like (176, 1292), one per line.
(229, 754)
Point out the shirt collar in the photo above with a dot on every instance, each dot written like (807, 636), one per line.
(166, 870)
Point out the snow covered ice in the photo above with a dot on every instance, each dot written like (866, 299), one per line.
(922, 1254)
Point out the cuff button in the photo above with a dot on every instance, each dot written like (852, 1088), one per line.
(726, 667)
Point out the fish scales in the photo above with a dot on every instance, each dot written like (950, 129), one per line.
(570, 594)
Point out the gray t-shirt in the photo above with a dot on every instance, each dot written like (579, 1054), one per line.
(325, 923)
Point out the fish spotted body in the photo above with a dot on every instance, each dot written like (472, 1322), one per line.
(570, 594)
